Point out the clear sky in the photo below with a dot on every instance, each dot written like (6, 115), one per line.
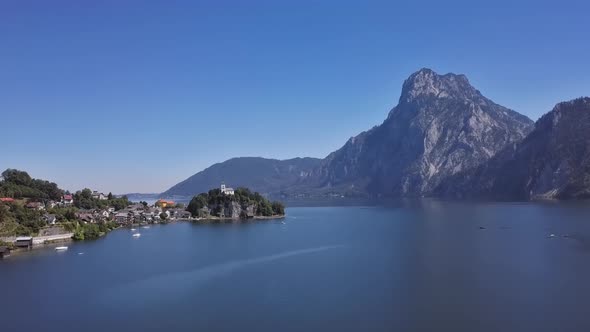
(134, 96)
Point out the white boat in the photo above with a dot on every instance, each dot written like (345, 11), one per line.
(146, 227)
(133, 229)
(61, 248)
(136, 235)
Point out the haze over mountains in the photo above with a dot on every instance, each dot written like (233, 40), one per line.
(260, 174)
(443, 138)
(553, 161)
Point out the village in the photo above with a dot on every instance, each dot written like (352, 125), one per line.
(135, 213)
(91, 214)
(56, 227)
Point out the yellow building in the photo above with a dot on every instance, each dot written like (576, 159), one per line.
(164, 203)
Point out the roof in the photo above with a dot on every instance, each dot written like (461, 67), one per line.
(34, 204)
(68, 197)
(6, 199)
(24, 238)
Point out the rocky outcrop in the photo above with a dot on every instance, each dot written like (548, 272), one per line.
(553, 161)
(441, 126)
(232, 210)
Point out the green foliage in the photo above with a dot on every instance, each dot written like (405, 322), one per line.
(264, 208)
(63, 213)
(15, 219)
(278, 208)
(19, 184)
(20, 220)
(215, 200)
(83, 200)
(197, 204)
(10, 245)
(163, 216)
(5, 215)
(85, 231)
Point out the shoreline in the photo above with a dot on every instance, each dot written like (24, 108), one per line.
(228, 219)
(67, 237)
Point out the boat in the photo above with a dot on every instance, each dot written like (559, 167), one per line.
(61, 248)
(133, 229)
(146, 227)
(136, 235)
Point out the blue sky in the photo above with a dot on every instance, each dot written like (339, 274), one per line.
(135, 97)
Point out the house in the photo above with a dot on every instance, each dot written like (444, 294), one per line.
(67, 200)
(226, 190)
(123, 216)
(87, 217)
(35, 206)
(164, 203)
(4, 252)
(183, 215)
(111, 209)
(50, 204)
(136, 207)
(50, 219)
(99, 196)
(24, 242)
(147, 216)
(6, 200)
(103, 214)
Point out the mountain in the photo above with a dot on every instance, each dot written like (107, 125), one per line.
(441, 126)
(258, 174)
(553, 161)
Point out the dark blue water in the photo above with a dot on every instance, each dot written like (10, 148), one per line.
(409, 267)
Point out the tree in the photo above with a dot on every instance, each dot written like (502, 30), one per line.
(196, 204)
(278, 208)
(17, 177)
(264, 208)
(144, 203)
(163, 216)
(83, 199)
(110, 196)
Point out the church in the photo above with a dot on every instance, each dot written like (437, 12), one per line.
(226, 190)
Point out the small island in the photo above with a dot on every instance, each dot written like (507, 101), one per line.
(226, 203)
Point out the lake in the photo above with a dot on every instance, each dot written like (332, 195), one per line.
(411, 266)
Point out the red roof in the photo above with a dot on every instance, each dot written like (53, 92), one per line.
(68, 197)
(6, 199)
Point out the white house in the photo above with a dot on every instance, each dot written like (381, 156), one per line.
(67, 200)
(98, 195)
(226, 190)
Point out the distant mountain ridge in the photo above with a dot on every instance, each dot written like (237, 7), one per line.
(553, 161)
(441, 125)
(444, 138)
(260, 174)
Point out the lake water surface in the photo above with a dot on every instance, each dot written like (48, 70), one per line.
(414, 266)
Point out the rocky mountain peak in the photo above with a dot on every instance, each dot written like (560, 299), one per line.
(427, 83)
